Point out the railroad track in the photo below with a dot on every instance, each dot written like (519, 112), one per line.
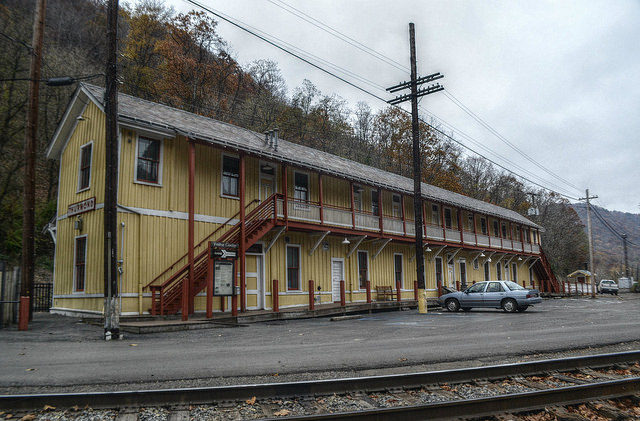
(462, 393)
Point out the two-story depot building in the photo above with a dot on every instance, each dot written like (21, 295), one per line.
(185, 180)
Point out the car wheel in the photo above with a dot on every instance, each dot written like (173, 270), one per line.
(522, 309)
(616, 292)
(509, 305)
(452, 305)
(466, 308)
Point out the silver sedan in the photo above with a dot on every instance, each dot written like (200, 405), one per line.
(506, 295)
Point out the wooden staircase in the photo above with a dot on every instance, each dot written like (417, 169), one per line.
(167, 295)
(551, 284)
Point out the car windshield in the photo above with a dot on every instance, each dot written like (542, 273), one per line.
(513, 286)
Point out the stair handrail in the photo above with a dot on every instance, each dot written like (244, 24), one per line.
(224, 225)
(250, 216)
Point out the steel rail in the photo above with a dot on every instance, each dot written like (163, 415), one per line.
(206, 395)
(517, 402)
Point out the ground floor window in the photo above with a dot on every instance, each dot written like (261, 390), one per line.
(293, 267)
(463, 273)
(531, 276)
(514, 272)
(499, 271)
(397, 266)
(487, 275)
(363, 269)
(438, 271)
(80, 264)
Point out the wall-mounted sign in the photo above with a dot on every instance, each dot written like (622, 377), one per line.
(82, 207)
(223, 276)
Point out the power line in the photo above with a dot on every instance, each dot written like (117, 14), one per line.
(337, 34)
(611, 228)
(298, 56)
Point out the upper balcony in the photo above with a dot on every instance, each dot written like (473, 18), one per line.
(352, 220)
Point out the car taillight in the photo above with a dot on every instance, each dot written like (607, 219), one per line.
(529, 295)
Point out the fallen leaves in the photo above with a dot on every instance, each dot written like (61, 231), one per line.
(251, 401)
(28, 417)
(282, 413)
(48, 408)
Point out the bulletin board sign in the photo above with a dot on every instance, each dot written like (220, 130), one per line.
(223, 277)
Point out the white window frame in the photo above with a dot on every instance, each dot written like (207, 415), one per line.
(230, 155)
(444, 217)
(75, 254)
(435, 270)
(286, 268)
(435, 217)
(402, 277)
(78, 190)
(260, 175)
(160, 164)
(368, 267)
(471, 222)
(396, 206)
(357, 191)
(379, 201)
(306, 174)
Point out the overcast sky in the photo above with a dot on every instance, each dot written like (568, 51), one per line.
(560, 80)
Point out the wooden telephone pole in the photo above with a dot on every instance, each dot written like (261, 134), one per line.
(417, 167)
(111, 310)
(593, 274)
(30, 145)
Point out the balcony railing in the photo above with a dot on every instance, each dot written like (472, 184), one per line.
(336, 216)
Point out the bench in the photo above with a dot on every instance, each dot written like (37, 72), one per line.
(385, 293)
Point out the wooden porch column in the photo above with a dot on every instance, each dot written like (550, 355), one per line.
(321, 198)
(285, 192)
(522, 237)
(404, 221)
(460, 227)
(353, 207)
(188, 283)
(380, 222)
(241, 247)
(475, 230)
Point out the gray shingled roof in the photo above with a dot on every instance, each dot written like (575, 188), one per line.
(142, 112)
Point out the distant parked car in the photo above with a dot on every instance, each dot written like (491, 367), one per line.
(506, 295)
(608, 286)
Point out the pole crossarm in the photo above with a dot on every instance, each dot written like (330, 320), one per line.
(420, 81)
(422, 92)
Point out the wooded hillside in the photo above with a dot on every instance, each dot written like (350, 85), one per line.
(182, 60)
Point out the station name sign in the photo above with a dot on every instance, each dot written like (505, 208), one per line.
(82, 207)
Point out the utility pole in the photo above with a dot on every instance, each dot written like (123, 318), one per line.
(417, 170)
(30, 145)
(626, 260)
(593, 274)
(111, 310)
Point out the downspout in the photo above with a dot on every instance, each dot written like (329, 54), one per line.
(121, 263)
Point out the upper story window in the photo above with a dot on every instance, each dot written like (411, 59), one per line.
(396, 206)
(435, 214)
(148, 160)
(84, 174)
(447, 218)
(375, 203)
(483, 226)
(504, 230)
(230, 175)
(496, 228)
(470, 223)
(301, 186)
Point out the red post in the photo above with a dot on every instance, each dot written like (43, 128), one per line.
(440, 289)
(524, 284)
(368, 284)
(241, 246)
(321, 198)
(23, 320)
(398, 293)
(415, 290)
(188, 284)
(154, 310)
(311, 296)
(458, 285)
(209, 286)
(223, 301)
(275, 297)
(343, 300)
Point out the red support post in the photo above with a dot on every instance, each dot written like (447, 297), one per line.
(440, 288)
(188, 284)
(343, 300)
(209, 285)
(524, 284)
(321, 198)
(312, 305)
(23, 322)
(275, 296)
(458, 285)
(399, 292)
(223, 301)
(415, 290)
(241, 247)
(353, 208)
(154, 306)
(380, 222)
(368, 284)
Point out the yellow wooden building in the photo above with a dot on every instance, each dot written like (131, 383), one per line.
(308, 215)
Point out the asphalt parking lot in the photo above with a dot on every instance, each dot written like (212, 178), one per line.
(59, 352)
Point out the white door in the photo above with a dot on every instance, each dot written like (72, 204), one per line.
(451, 279)
(254, 282)
(267, 187)
(337, 275)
